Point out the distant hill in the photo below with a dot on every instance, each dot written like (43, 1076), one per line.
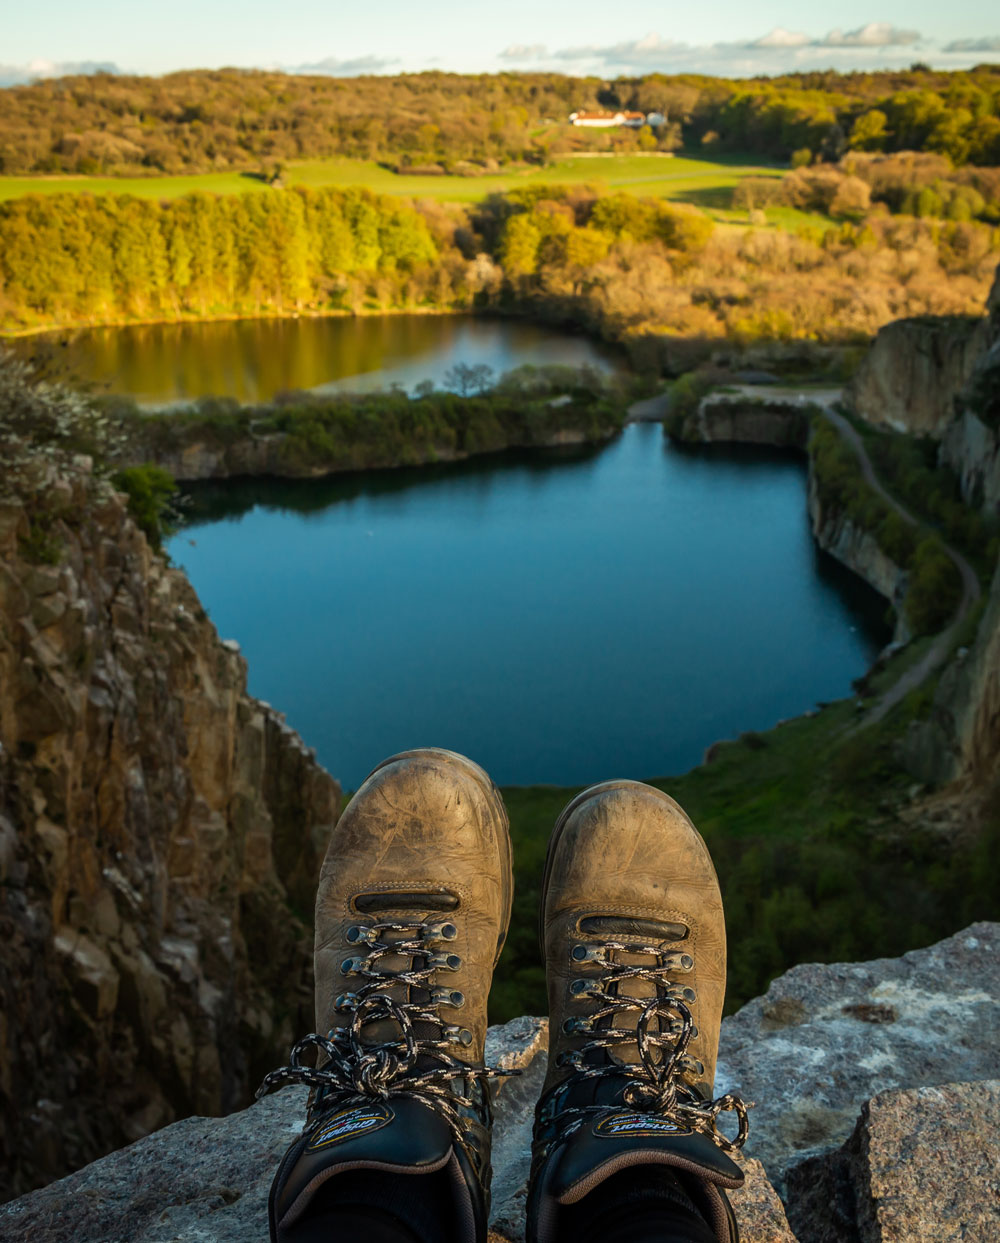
(202, 121)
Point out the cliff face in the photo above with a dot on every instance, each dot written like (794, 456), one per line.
(910, 376)
(971, 444)
(861, 552)
(730, 419)
(160, 832)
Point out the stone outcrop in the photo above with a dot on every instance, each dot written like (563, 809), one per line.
(160, 833)
(922, 1166)
(825, 1038)
(910, 376)
(909, 1043)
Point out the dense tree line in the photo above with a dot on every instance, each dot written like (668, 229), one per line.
(643, 272)
(85, 257)
(251, 120)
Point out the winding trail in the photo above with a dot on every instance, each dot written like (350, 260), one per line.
(825, 399)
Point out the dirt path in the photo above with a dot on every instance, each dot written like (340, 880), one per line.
(825, 400)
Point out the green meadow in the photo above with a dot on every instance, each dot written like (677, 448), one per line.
(706, 183)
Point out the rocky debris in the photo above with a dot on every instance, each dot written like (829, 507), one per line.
(206, 1180)
(160, 833)
(909, 378)
(826, 1038)
(922, 1166)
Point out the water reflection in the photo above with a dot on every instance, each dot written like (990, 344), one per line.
(252, 360)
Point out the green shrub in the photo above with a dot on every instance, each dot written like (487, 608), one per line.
(150, 490)
(935, 587)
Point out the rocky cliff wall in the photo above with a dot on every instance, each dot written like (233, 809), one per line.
(915, 367)
(972, 450)
(160, 832)
(730, 419)
(860, 551)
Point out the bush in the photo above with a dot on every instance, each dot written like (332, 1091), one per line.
(935, 587)
(150, 491)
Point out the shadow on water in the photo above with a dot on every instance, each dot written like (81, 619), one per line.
(864, 603)
(229, 499)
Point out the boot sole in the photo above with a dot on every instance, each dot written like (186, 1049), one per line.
(482, 779)
(585, 796)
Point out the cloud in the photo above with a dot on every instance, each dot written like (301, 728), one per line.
(524, 51)
(350, 68)
(779, 37)
(973, 45)
(19, 75)
(650, 50)
(874, 45)
(875, 34)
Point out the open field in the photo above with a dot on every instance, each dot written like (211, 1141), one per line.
(703, 182)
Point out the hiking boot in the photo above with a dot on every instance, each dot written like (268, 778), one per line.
(634, 943)
(412, 911)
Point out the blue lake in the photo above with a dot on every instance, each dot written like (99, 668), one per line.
(560, 617)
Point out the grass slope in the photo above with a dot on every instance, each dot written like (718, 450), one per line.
(700, 181)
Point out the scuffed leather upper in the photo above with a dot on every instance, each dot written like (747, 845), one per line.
(423, 821)
(628, 851)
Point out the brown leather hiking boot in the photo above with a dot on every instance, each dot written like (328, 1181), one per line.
(412, 911)
(634, 943)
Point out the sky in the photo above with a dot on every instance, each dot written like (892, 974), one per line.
(727, 37)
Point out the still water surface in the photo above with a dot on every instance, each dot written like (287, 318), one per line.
(560, 618)
(251, 360)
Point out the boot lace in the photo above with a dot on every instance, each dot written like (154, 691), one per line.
(351, 1071)
(663, 1031)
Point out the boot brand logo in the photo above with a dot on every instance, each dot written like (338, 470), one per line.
(640, 1125)
(350, 1122)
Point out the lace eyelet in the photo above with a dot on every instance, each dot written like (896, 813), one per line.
(458, 1035)
(572, 1025)
(444, 962)
(351, 966)
(447, 997)
(359, 934)
(439, 932)
(346, 1001)
(587, 953)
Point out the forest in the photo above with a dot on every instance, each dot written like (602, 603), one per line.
(203, 121)
(646, 273)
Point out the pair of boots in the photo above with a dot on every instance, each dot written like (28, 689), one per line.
(412, 912)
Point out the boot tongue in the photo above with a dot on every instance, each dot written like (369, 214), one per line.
(399, 1136)
(619, 1138)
